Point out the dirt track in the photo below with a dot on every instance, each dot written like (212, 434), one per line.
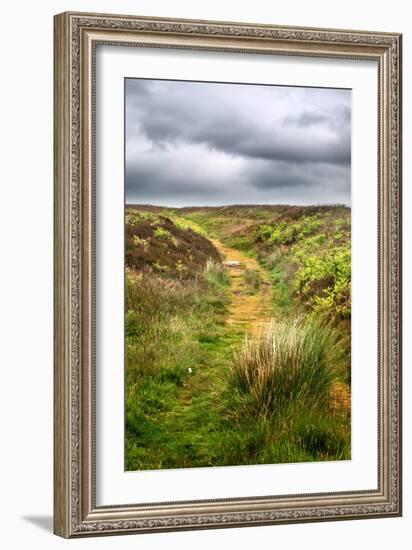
(248, 311)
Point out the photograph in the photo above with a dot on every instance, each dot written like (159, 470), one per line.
(205, 284)
(227, 274)
(237, 237)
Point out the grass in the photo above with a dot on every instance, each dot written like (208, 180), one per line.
(214, 274)
(174, 323)
(252, 280)
(282, 291)
(173, 331)
(197, 392)
(294, 361)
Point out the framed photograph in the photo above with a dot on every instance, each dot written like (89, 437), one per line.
(227, 274)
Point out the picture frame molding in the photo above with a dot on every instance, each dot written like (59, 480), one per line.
(76, 36)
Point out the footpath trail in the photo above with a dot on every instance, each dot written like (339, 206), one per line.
(200, 408)
(250, 308)
(249, 313)
(189, 430)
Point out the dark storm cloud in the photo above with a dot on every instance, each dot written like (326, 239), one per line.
(148, 183)
(269, 176)
(189, 141)
(164, 174)
(340, 118)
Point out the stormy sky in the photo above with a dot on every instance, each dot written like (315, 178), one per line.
(201, 143)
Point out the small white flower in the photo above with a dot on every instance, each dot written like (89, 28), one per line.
(189, 370)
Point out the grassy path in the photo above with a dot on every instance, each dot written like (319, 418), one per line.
(201, 406)
(197, 422)
(249, 311)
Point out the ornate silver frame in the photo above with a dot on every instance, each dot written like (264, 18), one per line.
(76, 36)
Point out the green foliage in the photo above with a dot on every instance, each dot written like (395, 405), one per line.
(308, 245)
(323, 281)
(139, 241)
(135, 217)
(162, 233)
(296, 436)
(313, 253)
(287, 232)
(186, 225)
(282, 293)
(241, 242)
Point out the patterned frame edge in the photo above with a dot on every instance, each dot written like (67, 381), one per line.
(75, 512)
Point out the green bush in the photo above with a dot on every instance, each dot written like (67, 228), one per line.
(162, 233)
(286, 232)
(324, 281)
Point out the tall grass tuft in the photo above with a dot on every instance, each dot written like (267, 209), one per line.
(252, 279)
(214, 273)
(293, 362)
